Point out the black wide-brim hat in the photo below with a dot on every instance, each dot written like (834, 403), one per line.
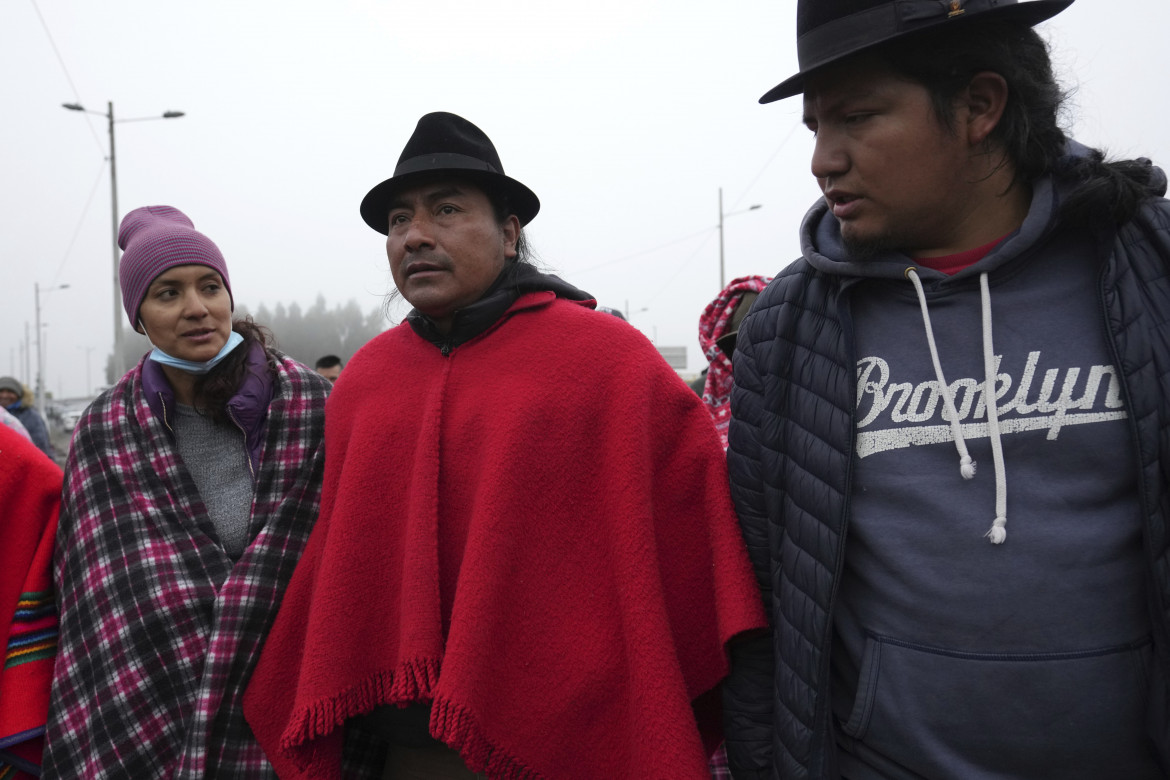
(444, 143)
(830, 30)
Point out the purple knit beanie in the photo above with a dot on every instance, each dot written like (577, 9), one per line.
(153, 239)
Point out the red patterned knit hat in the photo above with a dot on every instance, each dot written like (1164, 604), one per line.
(719, 320)
(153, 239)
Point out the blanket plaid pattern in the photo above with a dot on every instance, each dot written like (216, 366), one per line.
(159, 629)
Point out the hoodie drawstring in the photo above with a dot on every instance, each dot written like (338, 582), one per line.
(998, 532)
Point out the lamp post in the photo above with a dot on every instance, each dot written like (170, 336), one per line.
(119, 367)
(27, 353)
(88, 380)
(39, 390)
(722, 216)
(636, 311)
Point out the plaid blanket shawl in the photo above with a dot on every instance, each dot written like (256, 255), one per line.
(159, 630)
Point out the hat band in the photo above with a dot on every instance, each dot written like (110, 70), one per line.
(440, 161)
(843, 36)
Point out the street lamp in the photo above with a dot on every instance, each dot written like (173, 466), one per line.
(119, 367)
(722, 283)
(40, 383)
(636, 311)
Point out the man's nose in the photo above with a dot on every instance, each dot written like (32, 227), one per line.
(419, 233)
(828, 158)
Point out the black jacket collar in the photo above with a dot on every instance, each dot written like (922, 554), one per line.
(515, 280)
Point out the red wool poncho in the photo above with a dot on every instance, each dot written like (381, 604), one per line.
(533, 532)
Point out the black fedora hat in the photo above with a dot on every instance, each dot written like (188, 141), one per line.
(446, 143)
(830, 30)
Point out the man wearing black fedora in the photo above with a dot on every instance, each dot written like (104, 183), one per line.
(948, 447)
(527, 563)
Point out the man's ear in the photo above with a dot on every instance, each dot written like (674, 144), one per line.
(511, 228)
(984, 99)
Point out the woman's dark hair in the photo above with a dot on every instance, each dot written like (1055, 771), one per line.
(1028, 134)
(214, 389)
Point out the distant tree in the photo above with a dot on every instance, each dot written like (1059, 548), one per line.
(303, 335)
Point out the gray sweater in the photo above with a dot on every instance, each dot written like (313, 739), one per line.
(215, 456)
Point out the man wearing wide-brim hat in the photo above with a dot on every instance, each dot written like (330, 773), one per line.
(948, 445)
(527, 563)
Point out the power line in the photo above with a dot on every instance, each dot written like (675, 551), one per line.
(644, 251)
(80, 221)
(681, 267)
(783, 143)
(65, 70)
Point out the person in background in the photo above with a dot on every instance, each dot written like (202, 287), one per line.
(190, 490)
(718, 330)
(329, 367)
(976, 289)
(718, 327)
(527, 563)
(10, 420)
(18, 401)
(30, 493)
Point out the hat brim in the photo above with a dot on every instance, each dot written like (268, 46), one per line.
(375, 208)
(1031, 13)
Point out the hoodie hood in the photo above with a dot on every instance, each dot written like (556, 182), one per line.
(822, 247)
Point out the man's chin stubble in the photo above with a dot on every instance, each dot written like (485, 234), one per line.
(867, 248)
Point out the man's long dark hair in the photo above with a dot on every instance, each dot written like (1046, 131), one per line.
(214, 389)
(1029, 133)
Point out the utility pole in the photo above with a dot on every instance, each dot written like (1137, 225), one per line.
(119, 365)
(722, 284)
(39, 389)
(722, 281)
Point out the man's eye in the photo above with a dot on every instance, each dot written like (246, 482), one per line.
(855, 119)
(397, 219)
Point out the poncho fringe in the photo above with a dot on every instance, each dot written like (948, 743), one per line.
(413, 681)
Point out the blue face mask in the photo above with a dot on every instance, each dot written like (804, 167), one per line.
(190, 366)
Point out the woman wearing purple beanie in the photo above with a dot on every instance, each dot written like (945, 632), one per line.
(190, 489)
